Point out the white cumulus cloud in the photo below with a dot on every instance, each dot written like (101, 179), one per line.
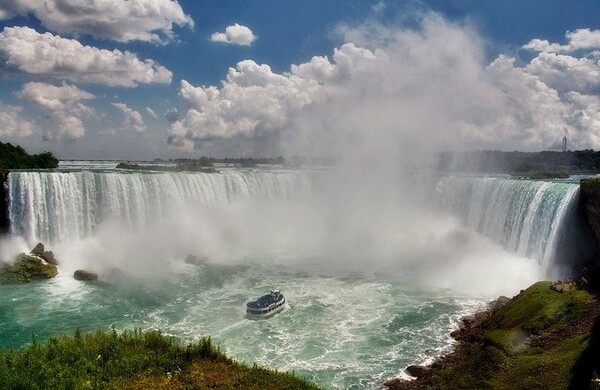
(133, 119)
(119, 20)
(63, 106)
(22, 49)
(395, 91)
(580, 39)
(13, 123)
(235, 34)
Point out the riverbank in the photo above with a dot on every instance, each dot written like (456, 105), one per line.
(539, 339)
(133, 360)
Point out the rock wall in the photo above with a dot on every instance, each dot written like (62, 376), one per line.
(4, 221)
(589, 204)
(589, 208)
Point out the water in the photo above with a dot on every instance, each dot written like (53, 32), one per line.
(364, 299)
(524, 216)
(342, 333)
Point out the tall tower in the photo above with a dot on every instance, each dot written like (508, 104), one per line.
(564, 144)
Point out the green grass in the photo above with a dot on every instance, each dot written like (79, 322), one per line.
(501, 356)
(132, 360)
(538, 308)
(549, 369)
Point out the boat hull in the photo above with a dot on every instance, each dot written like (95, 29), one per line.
(265, 312)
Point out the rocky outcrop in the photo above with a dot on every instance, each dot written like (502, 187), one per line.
(28, 267)
(417, 371)
(539, 325)
(564, 286)
(48, 256)
(85, 275)
(589, 203)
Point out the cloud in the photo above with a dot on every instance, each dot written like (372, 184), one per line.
(63, 106)
(12, 122)
(397, 91)
(172, 115)
(235, 35)
(151, 112)
(565, 73)
(24, 50)
(580, 39)
(133, 119)
(123, 21)
(379, 7)
(253, 102)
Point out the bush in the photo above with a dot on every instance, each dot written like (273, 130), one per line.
(15, 157)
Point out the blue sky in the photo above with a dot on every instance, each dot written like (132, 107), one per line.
(141, 79)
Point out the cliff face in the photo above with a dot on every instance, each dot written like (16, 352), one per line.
(4, 222)
(590, 203)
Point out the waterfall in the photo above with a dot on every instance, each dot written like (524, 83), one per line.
(527, 217)
(57, 206)
(535, 219)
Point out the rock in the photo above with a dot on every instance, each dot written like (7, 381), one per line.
(455, 334)
(195, 260)
(499, 302)
(417, 371)
(48, 256)
(27, 268)
(38, 250)
(114, 275)
(563, 286)
(85, 275)
(393, 382)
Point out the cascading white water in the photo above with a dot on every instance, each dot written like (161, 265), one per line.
(524, 216)
(58, 206)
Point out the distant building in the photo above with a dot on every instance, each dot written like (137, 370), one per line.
(564, 144)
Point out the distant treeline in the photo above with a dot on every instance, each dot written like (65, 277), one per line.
(183, 167)
(494, 161)
(15, 157)
(252, 162)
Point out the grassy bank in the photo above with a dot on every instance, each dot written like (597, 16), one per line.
(132, 360)
(541, 339)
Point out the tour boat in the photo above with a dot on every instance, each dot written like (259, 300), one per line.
(266, 306)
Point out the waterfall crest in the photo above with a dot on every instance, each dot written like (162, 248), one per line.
(527, 217)
(56, 206)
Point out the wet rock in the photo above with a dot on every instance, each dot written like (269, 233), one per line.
(40, 251)
(393, 382)
(85, 275)
(26, 268)
(499, 302)
(417, 371)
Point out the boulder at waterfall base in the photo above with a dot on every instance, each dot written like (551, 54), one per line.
(85, 275)
(27, 268)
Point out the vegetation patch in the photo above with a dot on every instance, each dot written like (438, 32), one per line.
(132, 360)
(540, 339)
(184, 167)
(537, 308)
(15, 157)
(590, 182)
